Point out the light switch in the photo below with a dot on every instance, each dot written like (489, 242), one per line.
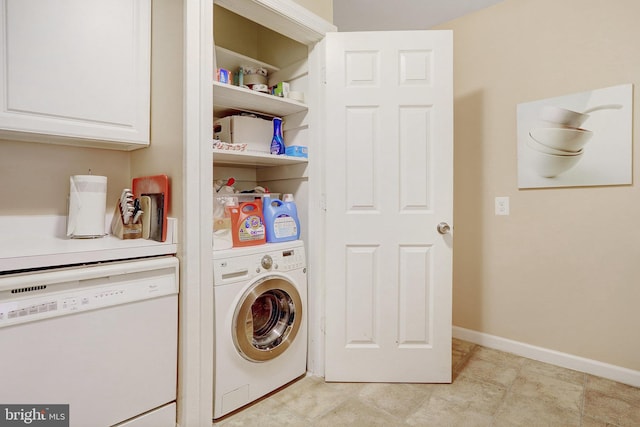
(502, 205)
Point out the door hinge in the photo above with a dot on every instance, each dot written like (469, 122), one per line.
(323, 202)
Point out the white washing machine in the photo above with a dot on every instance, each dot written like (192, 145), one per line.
(261, 328)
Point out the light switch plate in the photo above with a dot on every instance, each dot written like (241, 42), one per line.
(502, 205)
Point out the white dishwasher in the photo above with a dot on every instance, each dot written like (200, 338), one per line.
(100, 338)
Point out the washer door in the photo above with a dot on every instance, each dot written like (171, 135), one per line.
(267, 319)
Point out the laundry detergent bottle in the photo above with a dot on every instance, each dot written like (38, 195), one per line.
(247, 224)
(277, 142)
(281, 220)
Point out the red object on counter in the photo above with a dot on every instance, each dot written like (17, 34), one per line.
(155, 184)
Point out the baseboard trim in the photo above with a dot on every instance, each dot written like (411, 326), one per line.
(565, 360)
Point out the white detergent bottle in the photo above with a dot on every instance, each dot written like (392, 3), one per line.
(291, 204)
(281, 219)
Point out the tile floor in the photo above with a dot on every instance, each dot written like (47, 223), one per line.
(490, 388)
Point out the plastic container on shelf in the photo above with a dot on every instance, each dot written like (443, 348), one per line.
(281, 219)
(247, 224)
(277, 143)
(222, 222)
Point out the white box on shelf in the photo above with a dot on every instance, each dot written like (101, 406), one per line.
(253, 131)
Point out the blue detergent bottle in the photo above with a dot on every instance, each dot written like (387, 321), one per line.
(281, 219)
(277, 142)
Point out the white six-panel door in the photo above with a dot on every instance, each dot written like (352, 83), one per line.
(389, 160)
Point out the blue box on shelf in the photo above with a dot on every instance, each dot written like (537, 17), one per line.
(297, 151)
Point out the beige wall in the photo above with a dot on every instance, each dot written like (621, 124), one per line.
(240, 35)
(563, 270)
(34, 177)
(322, 8)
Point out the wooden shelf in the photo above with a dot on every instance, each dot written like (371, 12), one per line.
(228, 99)
(253, 159)
(231, 60)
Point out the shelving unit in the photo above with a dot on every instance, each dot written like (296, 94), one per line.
(229, 99)
(294, 21)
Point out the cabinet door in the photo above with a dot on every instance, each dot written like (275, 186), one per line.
(76, 71)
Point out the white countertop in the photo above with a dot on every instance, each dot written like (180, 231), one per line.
(39, 241)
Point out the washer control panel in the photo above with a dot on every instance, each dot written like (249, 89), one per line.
(231, 268)
(288, 259)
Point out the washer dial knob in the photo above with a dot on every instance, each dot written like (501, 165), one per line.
(266, 262)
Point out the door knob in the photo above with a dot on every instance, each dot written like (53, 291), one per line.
(443, 228)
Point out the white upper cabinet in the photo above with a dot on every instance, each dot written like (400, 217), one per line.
(76, 72)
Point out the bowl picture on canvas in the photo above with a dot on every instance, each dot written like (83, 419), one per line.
(582, 139)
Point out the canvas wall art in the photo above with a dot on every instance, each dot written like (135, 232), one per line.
(582, 139)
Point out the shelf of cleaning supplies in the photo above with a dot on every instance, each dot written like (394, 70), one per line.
(228, 99)
(253, 159)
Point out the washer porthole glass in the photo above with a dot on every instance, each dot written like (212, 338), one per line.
(267, 319)
(273, 316)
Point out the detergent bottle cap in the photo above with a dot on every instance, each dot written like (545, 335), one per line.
(287, 197)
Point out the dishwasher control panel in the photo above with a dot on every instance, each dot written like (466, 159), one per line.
(47, 302)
